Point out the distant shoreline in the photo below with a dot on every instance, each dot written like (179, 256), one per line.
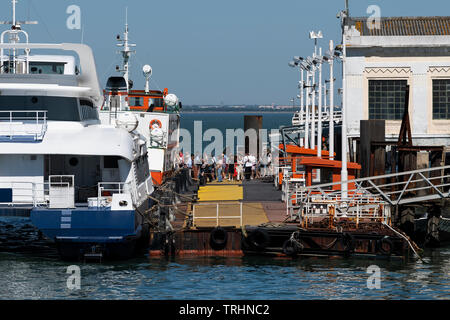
(234, 111)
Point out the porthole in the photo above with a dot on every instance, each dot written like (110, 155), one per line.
(73, 162)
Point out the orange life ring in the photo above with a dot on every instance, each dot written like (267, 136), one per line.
(157, 122)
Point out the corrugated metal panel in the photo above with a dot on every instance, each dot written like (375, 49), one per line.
(405, 26)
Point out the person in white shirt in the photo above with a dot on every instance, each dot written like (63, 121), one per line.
(240, 169)
(248, 167)
(269, 163)
(188, 163)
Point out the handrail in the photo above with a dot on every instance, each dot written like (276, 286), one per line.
(38, 194)
(14, 123)
(217, 217)
(407, 187)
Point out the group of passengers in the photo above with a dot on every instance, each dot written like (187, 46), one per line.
(226, 167)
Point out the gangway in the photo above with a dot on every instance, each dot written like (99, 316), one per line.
(365, 194)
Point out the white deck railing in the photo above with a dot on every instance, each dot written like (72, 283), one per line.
(23, 124)
(59, 193)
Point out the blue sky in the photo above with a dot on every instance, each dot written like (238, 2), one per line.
(208, 51)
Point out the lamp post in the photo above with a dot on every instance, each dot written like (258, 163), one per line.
(331, 131)
(319, 128)
(315, 36)
(344, 172)
(304, 114)
(307, 106)
(313, 107)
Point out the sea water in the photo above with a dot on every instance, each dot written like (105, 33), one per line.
(39, 274)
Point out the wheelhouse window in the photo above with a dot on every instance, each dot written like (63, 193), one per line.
(156, 102)
(47, 67)
(136, 101)
(58, 108)
(441, 99)
(387, 99)
(87, 110)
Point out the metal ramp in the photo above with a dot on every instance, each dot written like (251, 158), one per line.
(371, 197)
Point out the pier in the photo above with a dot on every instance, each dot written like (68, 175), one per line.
(249, 218)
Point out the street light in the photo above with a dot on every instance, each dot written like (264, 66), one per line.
(299, 62)
(315, 36)
(331, 55)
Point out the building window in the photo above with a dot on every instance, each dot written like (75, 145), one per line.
(441, 99)
(387, 99)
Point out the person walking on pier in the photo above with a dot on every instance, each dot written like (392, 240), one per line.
(247, 167)
(197, 166)
(239, 169)
(189, 163)
(219, 166)
(252, 160)
(231, 167)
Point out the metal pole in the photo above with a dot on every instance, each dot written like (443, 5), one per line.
(308, 89)
(217, 214)
(14, 12)
(319, 115)
(302, 104)
(241, 215)
(344, 172)
(331, 131)
(313, 110)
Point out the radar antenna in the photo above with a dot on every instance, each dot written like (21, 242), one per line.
(14, 37)
(126, 53)
(147, 70)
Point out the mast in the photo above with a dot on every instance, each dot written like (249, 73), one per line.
(126, 53)
(13, 37)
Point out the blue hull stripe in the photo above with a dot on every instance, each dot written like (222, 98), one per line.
(84, 224)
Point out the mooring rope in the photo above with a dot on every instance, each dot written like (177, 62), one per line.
(407, 240)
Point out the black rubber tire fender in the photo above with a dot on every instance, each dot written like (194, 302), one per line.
(349, 242)
(218, 238)
(385, 240)
(259, 239)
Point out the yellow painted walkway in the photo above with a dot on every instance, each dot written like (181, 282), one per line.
(221, 193)
(226, 198)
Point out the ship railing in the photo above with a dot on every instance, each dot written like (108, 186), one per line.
(33, 194)
(108, 188)
(198, 213)
(23, 125)
(364, 209)
(291, 185)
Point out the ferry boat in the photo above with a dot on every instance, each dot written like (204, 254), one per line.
(158, 113)
(85, 183)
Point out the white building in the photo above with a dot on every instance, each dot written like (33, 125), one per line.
(382, 61)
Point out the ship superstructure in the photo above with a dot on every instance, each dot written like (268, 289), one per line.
(157, 112)
(86, 183)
